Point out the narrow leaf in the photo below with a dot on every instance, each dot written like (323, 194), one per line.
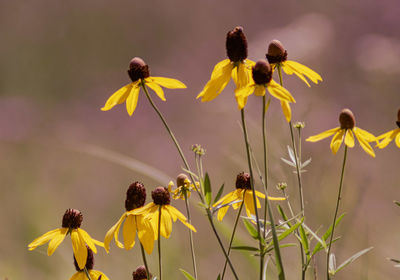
(287, 232)
(304, 241)
(397, 203)
(352, 259)
(288, 162)
(326, 235)
(207, 189)
(332, 264)
(307, 162)
(219, 194)
(251, 229)
(315, 236)
(187, 274)
(291, 154)
(245, 248)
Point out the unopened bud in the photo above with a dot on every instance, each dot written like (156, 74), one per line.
(181, 179)
(236, 45)
(346, 119)
(276, 52)
(281, 186)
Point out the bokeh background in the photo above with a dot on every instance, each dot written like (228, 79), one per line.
(61, 60)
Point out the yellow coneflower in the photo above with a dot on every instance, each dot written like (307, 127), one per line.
(81, 273)
(389, 136)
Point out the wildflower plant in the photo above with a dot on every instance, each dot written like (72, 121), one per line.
(268, 230)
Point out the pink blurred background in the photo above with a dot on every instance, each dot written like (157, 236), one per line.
(60, 61)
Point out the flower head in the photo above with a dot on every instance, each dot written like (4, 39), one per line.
(140, 76)
(71, 223)
(389, 136)
(94, 274)
(236, 66)
(183, 187)
(161, 202)
(346, 132)
(243, 193)
(140, 273)
(135, 199)
(262, 76)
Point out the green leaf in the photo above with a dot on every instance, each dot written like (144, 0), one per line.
(251, 229)
(245, 248)
(283, 246)
(397, 203)
(267, 105)
(394, 260)
(187, 274)
(219, 277)
(352, 259)
(219, 194)
(304, 241)
(315, 236)
(191, 173)
(287, 232)
(280, 210)
(207, 189)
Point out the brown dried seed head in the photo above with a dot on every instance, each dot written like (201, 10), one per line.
(72, 219)
(89, 260)
(262, 72)
(135, 196)
(138, 69)
(243, 181)
(236, 45)
(180, 180)
(346, 119)
(276, 52)
(398, 118)
(161, 196)
(140, 273)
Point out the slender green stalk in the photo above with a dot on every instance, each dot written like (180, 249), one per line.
(144, 260)
(209, 214)
(233, 233)
(190, 234)
(336, 211)
(265, 182)
(159, 242)
(87, 273)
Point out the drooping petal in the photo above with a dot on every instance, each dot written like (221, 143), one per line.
(366, 135)
(87, 239)
(290, 71)
(129, 232)
(219, 79)
(364, 143)
(337, 141)
(323, 135)
(286, 110)
(56, 240)
(157, 89)
(249, 204)
(259, 90)
(398, 140)
(166, 223)
(259, 194)
(168, 82)
(119, 96)
(80, 275)
(131, 101)
(175, 212)
(94, 274)
(79, 248)
(145, 233)
(276, 198)
(111, 232)
(44, 238)
(302, 70)
(242, 94)
(240, 75)
(349, 138)
(279, 92)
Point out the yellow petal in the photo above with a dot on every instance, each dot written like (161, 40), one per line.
(323, 135)
(366, 135)
(131, 101)
(249, 205)
(279, 92)
(56, 240)
(166, 223)
(259, 90)
(87, 239)
(157, 89)
(276, 198)
(145, 233)
(259, 194)
(129, 232)
(364, 143)
(119, 96)
(240, 75)
(111, 232)
(242, 94)
(173, 211)
(168, 82)
(79, 248)
(78, 276)
(349, 138)
(286, 110)
(94, 274)
(337, 141)
(301, 70)
(290, 71)
(44, 238)
(398, 140)
(218, 69)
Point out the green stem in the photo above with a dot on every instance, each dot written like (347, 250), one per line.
(144, 260)
(87, 273)
(264, 133)
(233, 233)
(190, 235)
(336, 211)
(209, 214)
(159, 241)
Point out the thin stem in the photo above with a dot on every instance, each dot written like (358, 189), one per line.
(190, 235)
(336, 211)
(233, 233)
(159, 242)
(87, 273)
(264, 133)
(144, 260)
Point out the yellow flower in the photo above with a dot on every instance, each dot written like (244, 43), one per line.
(139, 74)
(72, 220)
(277, 56)
(183, 186)
(389, 136)
(94, 274)
(161, 202)
(243, 193)
(346, 132)
(237, 66)
(135, 198)
(262, 76)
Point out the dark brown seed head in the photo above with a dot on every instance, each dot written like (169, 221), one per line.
(346, 119)
(161, 196)
(72, 219)
(243, 181)
(138, 69)
(398, 118)
(89, 260)
(236, 45)
(180, 180)
(262, 72)
(276, 52)
(140, 273)
(135, 196)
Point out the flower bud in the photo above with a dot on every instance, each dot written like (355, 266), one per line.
(299, 125)
(346, 119)
(138, 69)
(140, 273)
(398, 118)
(89, 260)
(262, 72)
(281, 186)
(276, 52)
(243, 181)
(181, 179)
(161, 196)
(72, 219)
(135, 196)
(236, 45)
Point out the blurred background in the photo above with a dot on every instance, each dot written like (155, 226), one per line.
(61, 60)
